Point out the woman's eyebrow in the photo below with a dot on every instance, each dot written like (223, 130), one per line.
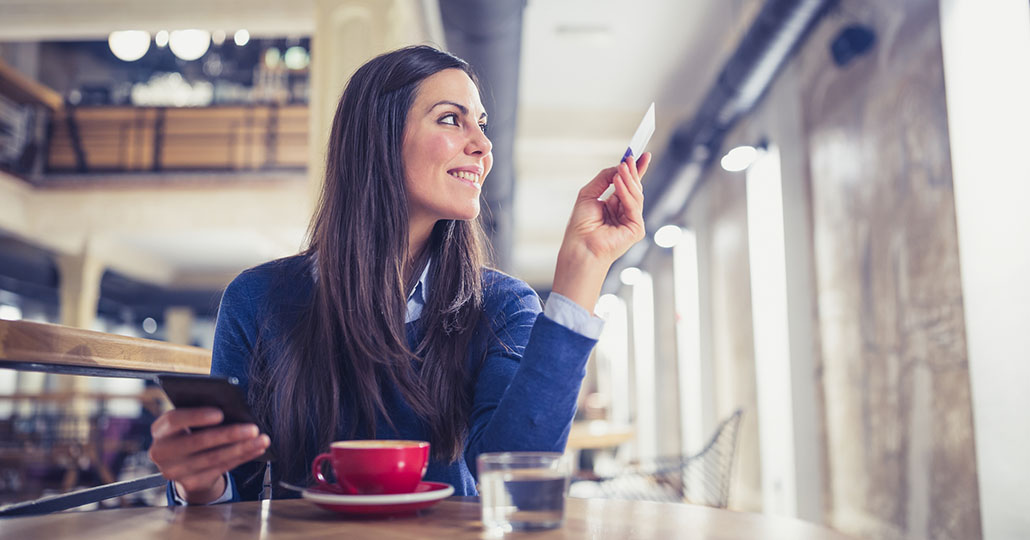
(464, 110)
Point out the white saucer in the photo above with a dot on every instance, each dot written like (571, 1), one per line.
(424, 495)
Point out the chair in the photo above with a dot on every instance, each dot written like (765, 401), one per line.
(703, 478)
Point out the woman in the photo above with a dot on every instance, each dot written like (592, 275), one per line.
(388, 325)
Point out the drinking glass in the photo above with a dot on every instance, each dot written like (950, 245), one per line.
(522, 491)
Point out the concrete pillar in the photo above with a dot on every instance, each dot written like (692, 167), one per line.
(80, 292)
(347, 34)
(80, 288)
(179, 325)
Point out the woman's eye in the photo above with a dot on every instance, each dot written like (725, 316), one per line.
(451, 119)
(482, 127)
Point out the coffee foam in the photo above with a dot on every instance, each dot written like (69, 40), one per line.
(378, 444)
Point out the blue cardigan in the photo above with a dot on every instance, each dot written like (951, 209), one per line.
(524, 391)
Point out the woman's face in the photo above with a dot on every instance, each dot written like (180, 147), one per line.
(445, 151)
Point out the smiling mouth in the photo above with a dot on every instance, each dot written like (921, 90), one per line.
(466, 176)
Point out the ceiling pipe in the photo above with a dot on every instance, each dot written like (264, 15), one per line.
(488, 34)
(777, 31)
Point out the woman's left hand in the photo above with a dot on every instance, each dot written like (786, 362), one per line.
(600, 232)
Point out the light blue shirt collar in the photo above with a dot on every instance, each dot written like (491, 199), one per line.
(417, 298)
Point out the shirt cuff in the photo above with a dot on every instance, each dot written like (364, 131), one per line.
(572, 316)
(226, 495)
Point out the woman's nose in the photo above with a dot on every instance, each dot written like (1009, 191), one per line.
(479, 143)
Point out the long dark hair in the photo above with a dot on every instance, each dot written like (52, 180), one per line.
(351, 339)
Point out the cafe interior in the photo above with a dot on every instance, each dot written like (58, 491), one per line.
(826, 321)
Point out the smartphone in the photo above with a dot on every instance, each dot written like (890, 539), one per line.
(186, 391)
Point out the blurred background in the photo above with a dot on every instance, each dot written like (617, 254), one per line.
(827, 320)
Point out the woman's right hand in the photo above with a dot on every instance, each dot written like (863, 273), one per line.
(600, 232)
(197, 460)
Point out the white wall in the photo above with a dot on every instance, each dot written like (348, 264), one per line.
(986, 48)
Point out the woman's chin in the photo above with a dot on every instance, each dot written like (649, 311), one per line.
(467, 214)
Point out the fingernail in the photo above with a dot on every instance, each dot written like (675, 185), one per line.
(213, 415)
(249, 430)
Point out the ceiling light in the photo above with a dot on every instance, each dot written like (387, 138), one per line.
(218, 37)
(129, 45)
(272, 58)
(630, 275)
(161, 38)
(739, 158)
(189, 44)
(296, 58)
(241, 38)
(667, 236)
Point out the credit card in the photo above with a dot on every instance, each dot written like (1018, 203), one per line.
(636, 145)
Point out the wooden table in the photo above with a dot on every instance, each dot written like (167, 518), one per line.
(597, 434)
(456, 518)
(61, 349)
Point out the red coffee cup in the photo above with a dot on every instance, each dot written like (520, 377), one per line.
(374, 467)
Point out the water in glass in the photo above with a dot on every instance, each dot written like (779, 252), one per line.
(522, 499)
